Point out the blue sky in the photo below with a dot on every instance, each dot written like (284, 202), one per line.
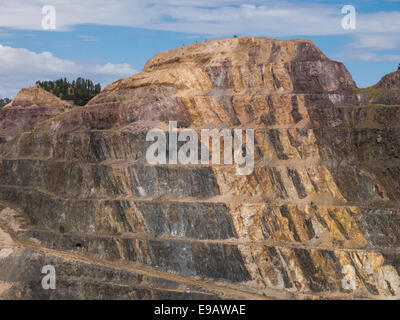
(107, 40)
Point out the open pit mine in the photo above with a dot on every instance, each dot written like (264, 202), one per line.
(318, 217)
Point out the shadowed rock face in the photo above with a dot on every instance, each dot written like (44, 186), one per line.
(318, 217)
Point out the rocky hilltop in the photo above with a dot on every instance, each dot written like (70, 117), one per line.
(318, 218)
(27, 109)
(390, 81)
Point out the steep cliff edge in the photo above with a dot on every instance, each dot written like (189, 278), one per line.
(318, 218)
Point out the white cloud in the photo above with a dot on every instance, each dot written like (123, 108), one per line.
(368, 56)
(21, 68)
(114, 69)
(88, 38)
(376, 41)
(205, 17)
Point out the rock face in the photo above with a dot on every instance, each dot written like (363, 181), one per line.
(28, 108)
(319, 216)
(390, 81)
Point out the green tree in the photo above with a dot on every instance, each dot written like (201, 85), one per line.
(4, 101)
(80, 91)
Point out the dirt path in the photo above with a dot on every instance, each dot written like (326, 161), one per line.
(9, 242)
(10, 239)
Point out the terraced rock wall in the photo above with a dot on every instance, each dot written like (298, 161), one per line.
(317, 218)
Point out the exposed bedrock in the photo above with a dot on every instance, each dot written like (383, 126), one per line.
(319, 216)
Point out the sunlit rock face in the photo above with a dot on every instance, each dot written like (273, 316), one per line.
(317, 218)
(390, 81)
(27, 109)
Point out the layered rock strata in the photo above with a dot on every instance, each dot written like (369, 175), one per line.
(317, 218)
(30, 107)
